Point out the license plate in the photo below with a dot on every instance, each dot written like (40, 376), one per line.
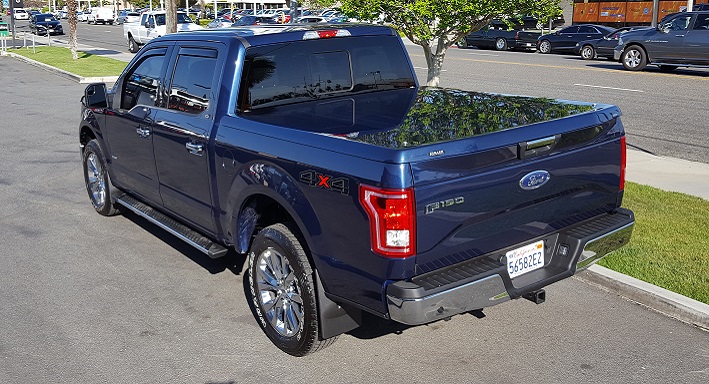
(525, 259)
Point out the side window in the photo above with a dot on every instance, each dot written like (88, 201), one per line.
(570, 30)
(191, 88)
(702, 22)
(143, 19)
(140, 86)
(587, 30)
(678, 23)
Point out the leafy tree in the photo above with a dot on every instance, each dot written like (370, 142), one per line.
(436, 25)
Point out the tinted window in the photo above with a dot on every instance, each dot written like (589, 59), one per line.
(302, 71)
(587, 30)
(570, 30)
(191, 88)
(141, 85)
(702, 22)
(679, 23)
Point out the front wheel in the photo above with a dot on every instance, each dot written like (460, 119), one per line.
(132, 45)
(545, 46)
(588, 53)
(501, 44)
(98, 184)
(634, 58)
(282, 290)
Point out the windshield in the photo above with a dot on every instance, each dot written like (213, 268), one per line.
(41, 18)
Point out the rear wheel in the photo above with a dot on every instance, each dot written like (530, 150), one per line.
(545, 46)
(634, 58)
(282, 289)
(587, 52)
(501, 44)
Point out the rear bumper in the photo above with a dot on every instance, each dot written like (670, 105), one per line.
(484, 281)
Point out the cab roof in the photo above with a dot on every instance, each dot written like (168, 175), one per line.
(270, 34)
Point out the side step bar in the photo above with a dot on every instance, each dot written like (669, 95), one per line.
(184, 233)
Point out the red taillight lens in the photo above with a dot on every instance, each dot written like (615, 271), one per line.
(392, 220)
(622, 163)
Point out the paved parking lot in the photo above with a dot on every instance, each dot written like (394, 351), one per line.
(85, 298)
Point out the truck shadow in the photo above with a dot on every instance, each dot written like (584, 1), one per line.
(233, 261)
(374, 327)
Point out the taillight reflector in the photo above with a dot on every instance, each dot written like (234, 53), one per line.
(623, 161)
(392, 220)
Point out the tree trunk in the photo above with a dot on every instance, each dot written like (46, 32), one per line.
(73, 44)
(171, 16)
(434, 61)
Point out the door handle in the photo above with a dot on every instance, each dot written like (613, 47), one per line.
(142, 132)
(194, 148)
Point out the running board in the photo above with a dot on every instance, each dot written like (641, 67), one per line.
(184, 233)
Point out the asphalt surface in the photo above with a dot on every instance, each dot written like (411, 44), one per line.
(90, 299)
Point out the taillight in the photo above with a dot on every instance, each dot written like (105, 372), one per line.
(622, 163)
(392, 220)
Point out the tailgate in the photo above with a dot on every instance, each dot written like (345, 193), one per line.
(510, 190)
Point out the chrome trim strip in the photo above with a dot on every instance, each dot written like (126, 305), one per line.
(163, 226)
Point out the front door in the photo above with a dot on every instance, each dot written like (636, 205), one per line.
(128, 126)
(696, 43)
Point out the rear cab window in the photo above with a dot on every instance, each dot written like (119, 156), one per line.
(302, 71)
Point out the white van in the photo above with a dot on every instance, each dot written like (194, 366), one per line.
(101, 15)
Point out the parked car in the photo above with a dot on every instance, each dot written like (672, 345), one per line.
(527, 22)
(502, 39)
(45, 23)
(21, 14)
(600, 48)
(220, 22)
(253, 20)
(101, 15)
(127, 17)
(82, 16)
(680, 41)
(152, 25)
(311, 19)
(565, 39)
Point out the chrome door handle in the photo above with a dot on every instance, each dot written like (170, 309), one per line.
(195, 148)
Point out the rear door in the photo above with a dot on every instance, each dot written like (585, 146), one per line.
(696, 43)
(182, 132)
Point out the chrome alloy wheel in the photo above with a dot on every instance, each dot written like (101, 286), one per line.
(278, 292)
(95, 180)
(633, 58)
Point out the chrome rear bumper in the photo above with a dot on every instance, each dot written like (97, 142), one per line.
(457, 291)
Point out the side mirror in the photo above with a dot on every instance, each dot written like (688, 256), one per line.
(95, 96)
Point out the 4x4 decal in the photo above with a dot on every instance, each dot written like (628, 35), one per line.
(318, 180)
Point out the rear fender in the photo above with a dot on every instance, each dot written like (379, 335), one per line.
(259, 180)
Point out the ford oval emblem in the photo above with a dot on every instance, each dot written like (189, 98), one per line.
(534, 180)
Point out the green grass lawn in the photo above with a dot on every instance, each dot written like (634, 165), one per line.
(87, 65)
(670, 243)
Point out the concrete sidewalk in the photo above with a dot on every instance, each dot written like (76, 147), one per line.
(665, 173)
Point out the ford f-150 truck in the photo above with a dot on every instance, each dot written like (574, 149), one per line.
(152, 25)
(351, 188)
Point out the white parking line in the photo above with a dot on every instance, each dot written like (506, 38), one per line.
(482, 54)
(615, 89)
(442, 70)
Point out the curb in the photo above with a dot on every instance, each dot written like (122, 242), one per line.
(662, 300)
(61, 72)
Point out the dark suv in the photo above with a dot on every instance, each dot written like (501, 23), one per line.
(681, 40)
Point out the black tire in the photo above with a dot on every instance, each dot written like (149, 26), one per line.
(98, 183)
(501, 44)
(668, 68)
(545, 46)
(282, 290)
(110, 23)
(634, 58)
(587, 52)
(133, 47)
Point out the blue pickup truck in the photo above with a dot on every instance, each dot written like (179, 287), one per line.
(351, 188)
